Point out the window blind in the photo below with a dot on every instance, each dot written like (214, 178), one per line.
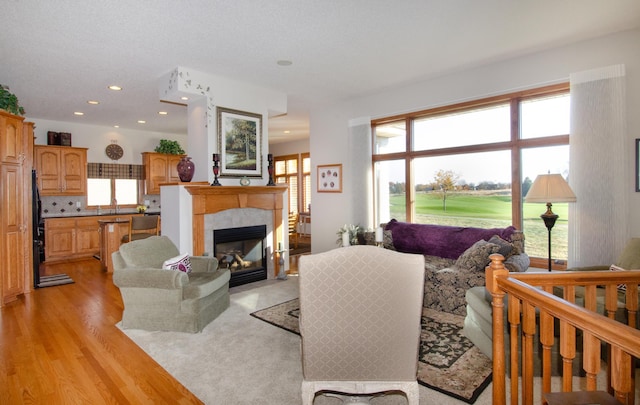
(114, 171)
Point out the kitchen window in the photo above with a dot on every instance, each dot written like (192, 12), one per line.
(111, 184)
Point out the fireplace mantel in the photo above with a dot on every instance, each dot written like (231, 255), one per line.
(213, 199)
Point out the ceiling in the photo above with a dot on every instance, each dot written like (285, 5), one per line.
(57, 55)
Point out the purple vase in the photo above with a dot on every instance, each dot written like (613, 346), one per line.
(186, 168)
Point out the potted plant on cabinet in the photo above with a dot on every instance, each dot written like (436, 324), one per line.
(169, 147)
(9, 101)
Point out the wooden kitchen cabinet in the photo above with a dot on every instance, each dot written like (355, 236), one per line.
(159, 168)
(12, 148)
(111, 232)
(78, 237)
(87, 236)
(60, 238)
(16, 258)
(62, 170)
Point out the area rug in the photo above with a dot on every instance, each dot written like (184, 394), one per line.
(448, 361)
(53, 280)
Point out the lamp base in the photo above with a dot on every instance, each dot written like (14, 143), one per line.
(549, 219)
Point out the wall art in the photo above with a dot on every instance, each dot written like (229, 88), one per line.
(240, 143)
(330, 178)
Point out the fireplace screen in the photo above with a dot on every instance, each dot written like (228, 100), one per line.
(241, 250)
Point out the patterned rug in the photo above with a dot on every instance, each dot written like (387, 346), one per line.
(448, 361)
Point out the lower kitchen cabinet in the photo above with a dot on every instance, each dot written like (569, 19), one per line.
(75, 237)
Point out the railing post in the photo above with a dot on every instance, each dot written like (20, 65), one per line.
(621, 375)
(492, 272)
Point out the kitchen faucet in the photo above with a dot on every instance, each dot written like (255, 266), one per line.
(115, 204)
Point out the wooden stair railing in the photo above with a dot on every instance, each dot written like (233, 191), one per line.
(533, 308)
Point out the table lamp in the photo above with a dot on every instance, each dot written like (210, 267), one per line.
(549, 188)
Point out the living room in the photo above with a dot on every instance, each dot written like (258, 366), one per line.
(331, 138)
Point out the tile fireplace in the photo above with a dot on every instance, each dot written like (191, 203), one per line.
(194, 211)
(242, 251)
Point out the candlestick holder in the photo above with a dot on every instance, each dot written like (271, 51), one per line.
(282, 273)
(270, 168)
(216, 170)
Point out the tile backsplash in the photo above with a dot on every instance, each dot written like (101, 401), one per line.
(69, 206)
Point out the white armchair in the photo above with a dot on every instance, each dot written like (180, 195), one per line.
(360, 314)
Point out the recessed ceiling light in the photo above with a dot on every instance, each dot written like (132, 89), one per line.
(185, 98)
(284, 62)
(115, 88)
(116, 126)
(142, 122)
(93, 102)
(287, 132)
(163, 112)
(78, 113)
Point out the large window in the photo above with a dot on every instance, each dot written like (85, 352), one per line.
(470, 164)
(295, 170)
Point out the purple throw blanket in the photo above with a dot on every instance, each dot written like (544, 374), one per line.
(440, 240)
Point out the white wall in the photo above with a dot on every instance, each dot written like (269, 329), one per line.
(207, 92)
(329, 129)
(96, 138)
(290, 148)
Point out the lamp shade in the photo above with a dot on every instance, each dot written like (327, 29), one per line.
(550, 188)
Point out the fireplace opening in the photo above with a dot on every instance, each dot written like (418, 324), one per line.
(242, 251)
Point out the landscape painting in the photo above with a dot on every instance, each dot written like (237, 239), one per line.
(239, 139)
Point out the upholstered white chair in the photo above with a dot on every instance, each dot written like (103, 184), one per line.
(360, 314)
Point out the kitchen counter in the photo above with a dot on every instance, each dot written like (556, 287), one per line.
(113, 221)
(104, 214)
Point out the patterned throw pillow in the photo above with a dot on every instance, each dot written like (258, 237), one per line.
(477, 256)
(387, 240)
(369, 238)
(518, 263)
(180, 263)
(506, 248)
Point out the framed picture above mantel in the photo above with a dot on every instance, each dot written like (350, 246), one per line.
(240, 143)
(330, 178)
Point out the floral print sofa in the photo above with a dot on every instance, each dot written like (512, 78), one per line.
(455, 257)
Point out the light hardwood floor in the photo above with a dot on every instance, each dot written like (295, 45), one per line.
(60, 345)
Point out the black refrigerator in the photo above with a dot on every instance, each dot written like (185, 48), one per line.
(38, 229)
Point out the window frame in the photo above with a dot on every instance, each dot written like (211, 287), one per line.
(515, 144)
(303, 197)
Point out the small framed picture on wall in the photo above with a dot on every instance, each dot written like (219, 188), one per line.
(330, 178)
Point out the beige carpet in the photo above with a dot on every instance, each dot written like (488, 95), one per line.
(239, 359)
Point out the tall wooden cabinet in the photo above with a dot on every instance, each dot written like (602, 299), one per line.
(16, 257)
(159, 168)
(62, 170)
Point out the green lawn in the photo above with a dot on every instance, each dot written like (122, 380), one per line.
(485, 210)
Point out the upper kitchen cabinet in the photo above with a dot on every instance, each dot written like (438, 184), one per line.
(159, 168)
(61, 170)
(12, 148)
